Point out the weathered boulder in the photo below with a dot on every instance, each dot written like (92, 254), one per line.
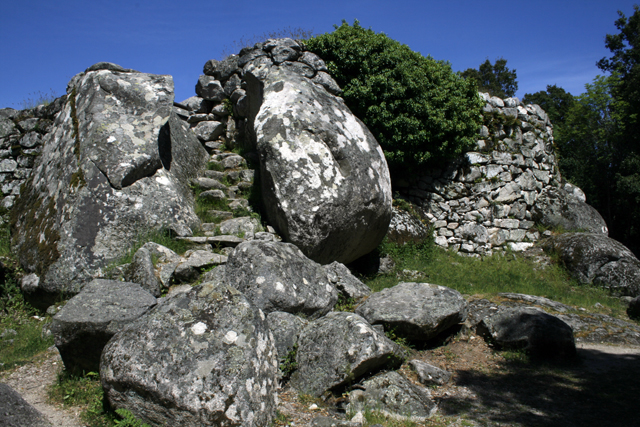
(417, 311)
(596, 258)
(556, 207)
(116, 163)
(277, 276)
(346, 283)
(17, 412)
(531, 329)
(242, 225)
(286, 328)
(325, 181)
(201, 358)
(429, 374)
(340, 348)
(393, 395)
(88, 321)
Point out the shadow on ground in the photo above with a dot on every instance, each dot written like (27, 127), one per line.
(602, 388)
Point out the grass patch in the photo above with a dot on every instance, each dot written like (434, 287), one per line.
(22, 334)
(491, 275)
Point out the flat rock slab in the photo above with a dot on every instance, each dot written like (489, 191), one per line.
(88, 321)
(277, 276)
(201, 358)
(17, 412)
(339, 348)
(417, 311)
(395, 396)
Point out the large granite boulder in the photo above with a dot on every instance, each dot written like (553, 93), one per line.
(598, 259)
(88, 321)
(531, 329)
(394, 396)
(416, 311)
(201, 358)
(17, 412)
(277, 276)
(338, 349)
(325, 181)
(116, 163)
(556, 207)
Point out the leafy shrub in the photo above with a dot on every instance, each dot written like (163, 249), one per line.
(418, 109)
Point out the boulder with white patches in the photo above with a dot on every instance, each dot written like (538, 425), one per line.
(116, 163)
(325, 180)
(277, 276)
(416, 311)
(201, 358)
(338, 349)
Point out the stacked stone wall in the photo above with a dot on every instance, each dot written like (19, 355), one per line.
(483, 201)
(21, 135)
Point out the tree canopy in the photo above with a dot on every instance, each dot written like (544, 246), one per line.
(418, 109)
(496, 79)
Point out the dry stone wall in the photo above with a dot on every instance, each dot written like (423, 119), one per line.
(21, 136)
(483, 201)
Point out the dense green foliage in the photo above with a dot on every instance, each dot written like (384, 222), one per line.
(598, 133)
(418, 109)
(496, 79)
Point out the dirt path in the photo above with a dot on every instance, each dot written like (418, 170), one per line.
(32, 382)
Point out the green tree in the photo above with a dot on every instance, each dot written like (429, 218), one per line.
(418, 109)
(496, 79)
(625, 63)
(589, 147)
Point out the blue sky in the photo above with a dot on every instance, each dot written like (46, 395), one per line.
(44, 43)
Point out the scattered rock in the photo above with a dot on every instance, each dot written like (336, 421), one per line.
(429, 374)
(417, 311)
(598, 259)
(395, 396)
(278, 277)
(531, 329)
(88, 321)
(339, 348)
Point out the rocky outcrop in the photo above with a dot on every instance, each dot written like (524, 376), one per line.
(88, 321)
(278, 277)
(557, 208)
(116, 163)
(596, 258)
(415, 311)
(202, 357)
(339, 348)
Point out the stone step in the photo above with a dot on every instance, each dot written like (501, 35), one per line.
(224, 240)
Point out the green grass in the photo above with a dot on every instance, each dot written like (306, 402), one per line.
(38, 98)
(491, 275)
(16, 315)
(162, 237)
